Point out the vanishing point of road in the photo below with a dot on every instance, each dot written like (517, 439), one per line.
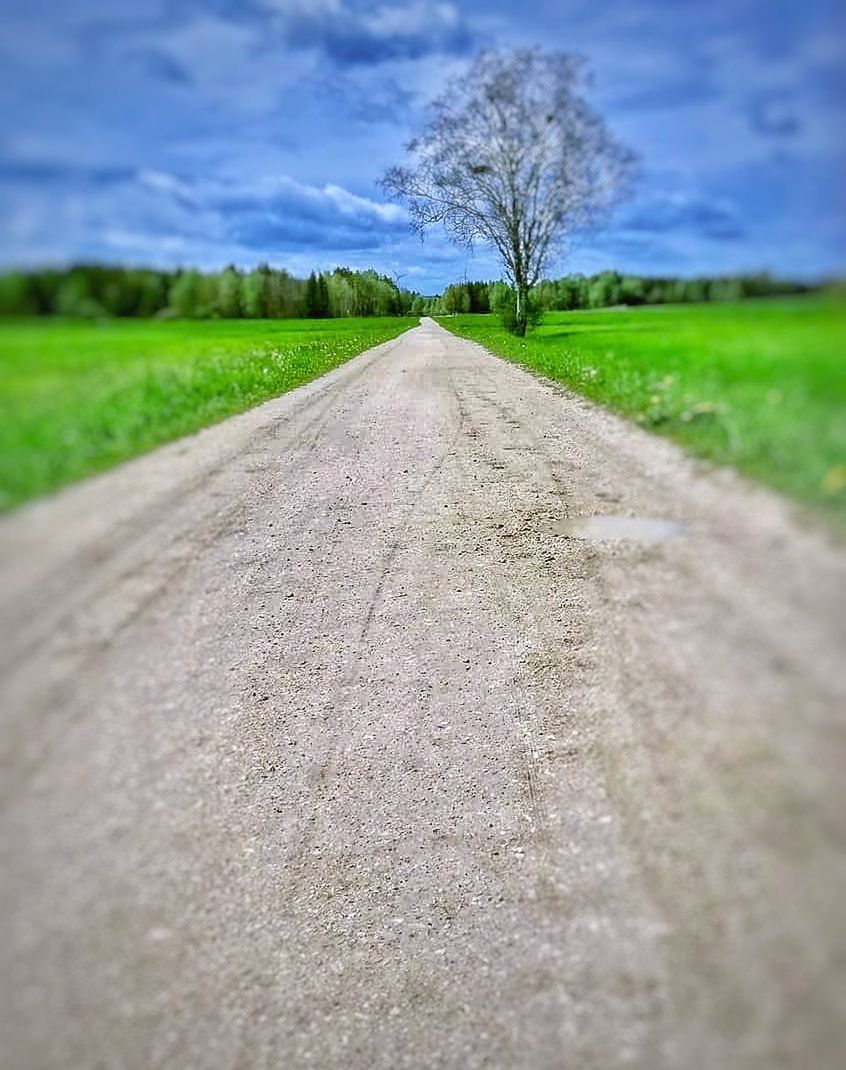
(330, 739)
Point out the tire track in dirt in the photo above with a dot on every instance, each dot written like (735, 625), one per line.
(155, 523)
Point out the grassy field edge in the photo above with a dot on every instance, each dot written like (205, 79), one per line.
(757, 385)
(77, 398)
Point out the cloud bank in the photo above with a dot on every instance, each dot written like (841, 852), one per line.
(209, 131)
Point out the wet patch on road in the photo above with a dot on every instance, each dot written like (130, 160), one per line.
(639, 529)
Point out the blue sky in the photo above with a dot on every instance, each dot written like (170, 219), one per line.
(168, 132)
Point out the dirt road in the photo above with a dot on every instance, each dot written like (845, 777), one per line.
(329, 740)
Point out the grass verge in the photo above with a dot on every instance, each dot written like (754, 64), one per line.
(760, 385)
(77, 397)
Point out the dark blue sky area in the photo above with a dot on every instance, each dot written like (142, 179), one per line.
(211, 131)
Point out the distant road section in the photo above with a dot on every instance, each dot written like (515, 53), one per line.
(425, 717)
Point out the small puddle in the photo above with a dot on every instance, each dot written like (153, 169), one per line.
(643, 529)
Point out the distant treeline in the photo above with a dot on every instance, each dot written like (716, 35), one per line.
(264, 293)
(611, 288)
(89, 290)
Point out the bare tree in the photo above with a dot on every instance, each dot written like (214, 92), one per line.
(513, 156)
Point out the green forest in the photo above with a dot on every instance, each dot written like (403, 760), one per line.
(92, 291)
(610, 288)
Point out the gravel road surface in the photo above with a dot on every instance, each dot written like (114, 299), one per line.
(331, 739)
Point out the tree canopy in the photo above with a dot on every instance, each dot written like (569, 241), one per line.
(513, 155)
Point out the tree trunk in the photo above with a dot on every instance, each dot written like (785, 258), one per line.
(521, 312)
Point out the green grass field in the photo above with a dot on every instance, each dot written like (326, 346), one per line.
(759, 384)
(77, 397)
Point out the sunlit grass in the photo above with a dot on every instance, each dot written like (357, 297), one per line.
(77, 397)
(758, 384)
